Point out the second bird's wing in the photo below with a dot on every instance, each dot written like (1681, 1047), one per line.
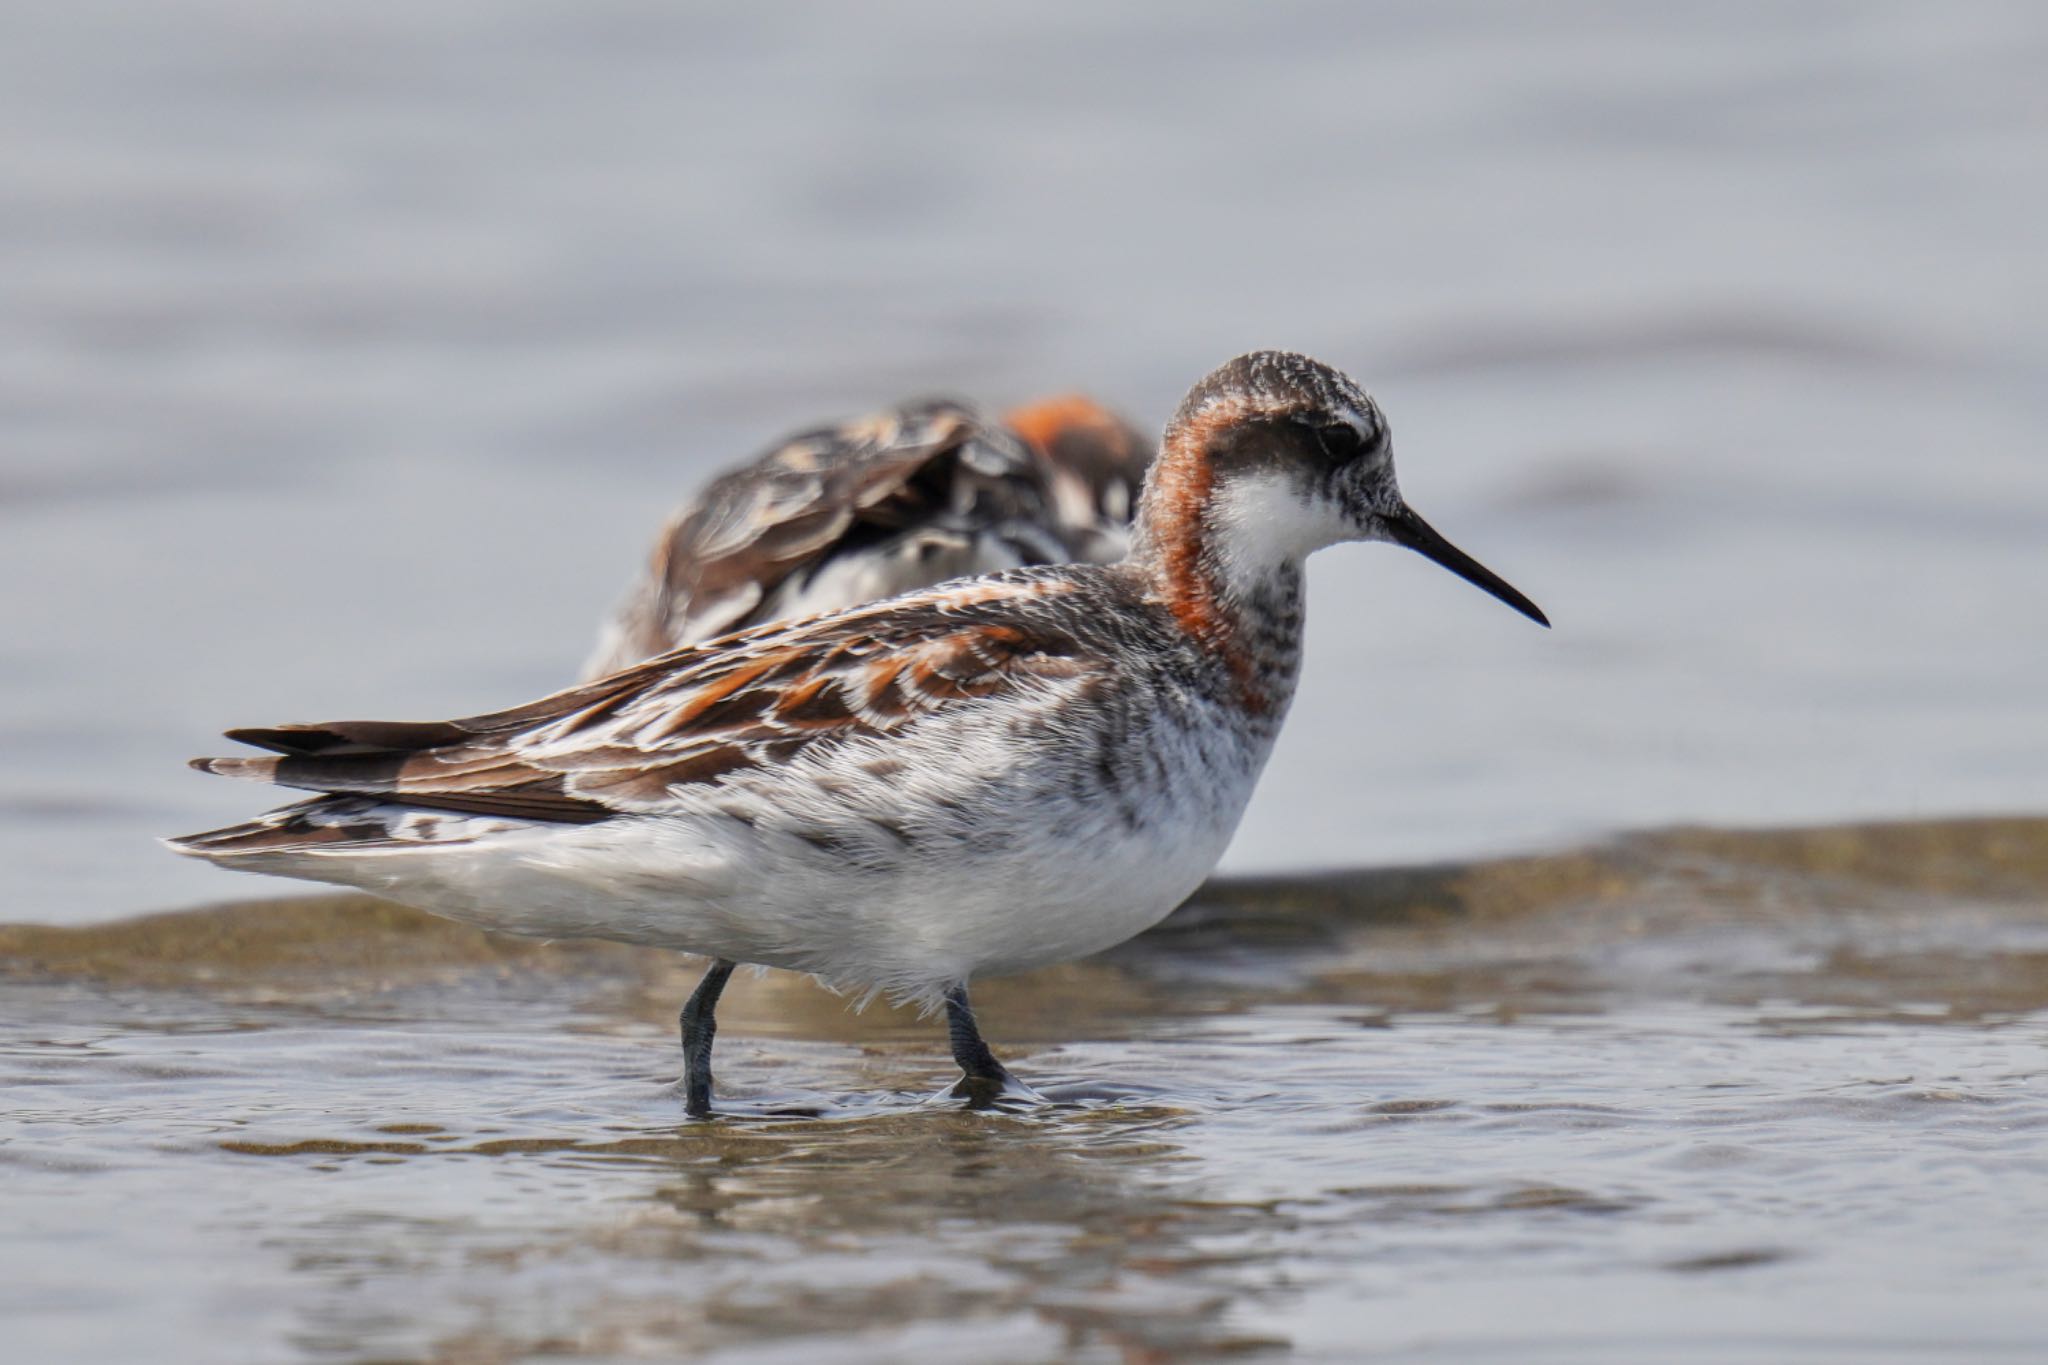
(725, 553)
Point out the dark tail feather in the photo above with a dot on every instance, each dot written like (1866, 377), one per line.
(377, 775)
(444, 765)
(352, 736)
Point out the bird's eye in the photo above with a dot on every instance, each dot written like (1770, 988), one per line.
(1340, 441)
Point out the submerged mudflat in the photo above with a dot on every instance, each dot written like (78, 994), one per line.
(1686, 1096)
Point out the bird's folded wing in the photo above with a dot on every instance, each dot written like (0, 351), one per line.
(625, 743)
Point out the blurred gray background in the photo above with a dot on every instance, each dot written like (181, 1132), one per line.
(349, 356)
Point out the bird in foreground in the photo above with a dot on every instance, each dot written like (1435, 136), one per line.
(990, 775)
(868, 508)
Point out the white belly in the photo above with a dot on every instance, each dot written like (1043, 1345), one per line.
(975, 861)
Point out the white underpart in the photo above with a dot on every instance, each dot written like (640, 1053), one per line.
(1010, 862)
(1262, 523)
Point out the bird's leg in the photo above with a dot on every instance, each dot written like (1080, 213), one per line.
(984, 1079)
(700, 1026)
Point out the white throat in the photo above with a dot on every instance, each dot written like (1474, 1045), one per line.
(1260, 524)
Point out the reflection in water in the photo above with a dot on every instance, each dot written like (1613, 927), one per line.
(1706, 1096)
(938, 1228)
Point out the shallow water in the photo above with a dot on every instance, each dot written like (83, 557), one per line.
(1691, 1097)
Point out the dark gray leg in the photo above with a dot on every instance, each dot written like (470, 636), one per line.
(700, 1026)
(984, 1078)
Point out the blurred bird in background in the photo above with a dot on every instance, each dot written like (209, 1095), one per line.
(878, 505)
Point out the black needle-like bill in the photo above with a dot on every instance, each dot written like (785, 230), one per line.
(1406, 528)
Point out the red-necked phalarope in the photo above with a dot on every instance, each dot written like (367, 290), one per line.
(868, 508)
(985, 776)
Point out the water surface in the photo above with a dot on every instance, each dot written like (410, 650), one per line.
(1690, 1097)
(351, 353)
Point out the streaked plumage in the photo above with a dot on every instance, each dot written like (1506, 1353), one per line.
(864, 509)
(986, 776)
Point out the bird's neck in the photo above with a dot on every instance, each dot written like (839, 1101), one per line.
(1213, 557)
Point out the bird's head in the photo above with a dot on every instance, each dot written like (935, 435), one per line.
(1273, 456)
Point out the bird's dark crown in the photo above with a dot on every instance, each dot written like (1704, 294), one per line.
(1273, 410)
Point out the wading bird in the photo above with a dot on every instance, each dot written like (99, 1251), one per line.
(986, 776)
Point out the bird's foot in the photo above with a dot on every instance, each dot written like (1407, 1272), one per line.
(986, 1090)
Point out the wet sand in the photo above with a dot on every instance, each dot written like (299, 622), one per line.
(1692, 1095)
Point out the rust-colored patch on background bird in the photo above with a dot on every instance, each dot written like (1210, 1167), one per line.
(1094, 462)
(1050, 421)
